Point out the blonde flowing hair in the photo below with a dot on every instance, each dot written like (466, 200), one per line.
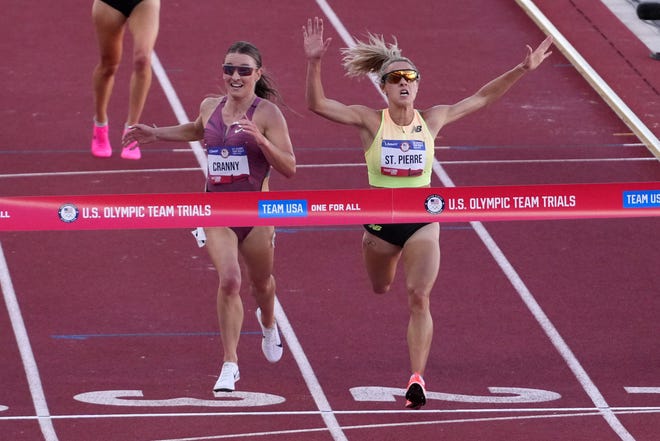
(372, 56)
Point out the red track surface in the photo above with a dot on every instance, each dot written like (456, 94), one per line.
(134, 310)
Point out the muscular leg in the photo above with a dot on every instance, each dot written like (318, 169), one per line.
(109, 25)
(222, 246)
(421, 260)
(143, 25)
(380, 260)
(258, 251)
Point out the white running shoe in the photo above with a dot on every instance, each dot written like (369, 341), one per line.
(271, 344)
(228, 376)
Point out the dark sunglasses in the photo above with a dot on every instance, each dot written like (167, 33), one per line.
(395, 76)
(244, 71)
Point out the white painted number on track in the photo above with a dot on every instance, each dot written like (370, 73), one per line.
(500, 395)
(511, 395)
(225, 399)
(3, 408)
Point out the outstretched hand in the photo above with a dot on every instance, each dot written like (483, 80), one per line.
(535, 57)
(140, 133)
(313, 41)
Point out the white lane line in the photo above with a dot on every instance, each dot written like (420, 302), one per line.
(325, 165)
(542, 410)
(177, 107)
(386, 425)
(18, 325)
(97, 172)
(308, 374)
(550, 330)
(527, 297)
(25, 349)
(553, 334)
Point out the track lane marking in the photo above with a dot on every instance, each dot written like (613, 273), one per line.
(25, 349)
(386, 425)
(326, 165)
(550, 330)
(177, 107)
(565, 410)
(308, 374)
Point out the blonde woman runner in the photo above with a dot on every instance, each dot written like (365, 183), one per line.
(398, 144)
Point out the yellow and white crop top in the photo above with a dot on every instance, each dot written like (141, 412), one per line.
(400, 157)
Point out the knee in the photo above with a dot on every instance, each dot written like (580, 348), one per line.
(418, 299)
(230, 284)
(266, 284)
(141, 62)
(107, 68)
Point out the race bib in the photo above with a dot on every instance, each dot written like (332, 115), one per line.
(402, 158)
(227, 164)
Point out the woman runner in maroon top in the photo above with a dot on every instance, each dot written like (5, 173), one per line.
(240, 156)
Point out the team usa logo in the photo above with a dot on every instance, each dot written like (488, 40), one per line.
(434, 204)
(68, 213)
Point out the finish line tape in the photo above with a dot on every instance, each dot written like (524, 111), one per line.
(330, 207)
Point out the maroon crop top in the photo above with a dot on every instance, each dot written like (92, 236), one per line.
(235, 161)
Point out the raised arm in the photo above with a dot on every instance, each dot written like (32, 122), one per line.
(315, 47)
(439, 116)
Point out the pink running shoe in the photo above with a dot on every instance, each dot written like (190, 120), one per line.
(101, 147)
(416, 393)
(131, 151)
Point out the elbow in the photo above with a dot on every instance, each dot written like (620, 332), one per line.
(318, 110)
(312, 105)
(290, 170)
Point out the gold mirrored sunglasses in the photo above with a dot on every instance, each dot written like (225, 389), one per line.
(395, 76)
